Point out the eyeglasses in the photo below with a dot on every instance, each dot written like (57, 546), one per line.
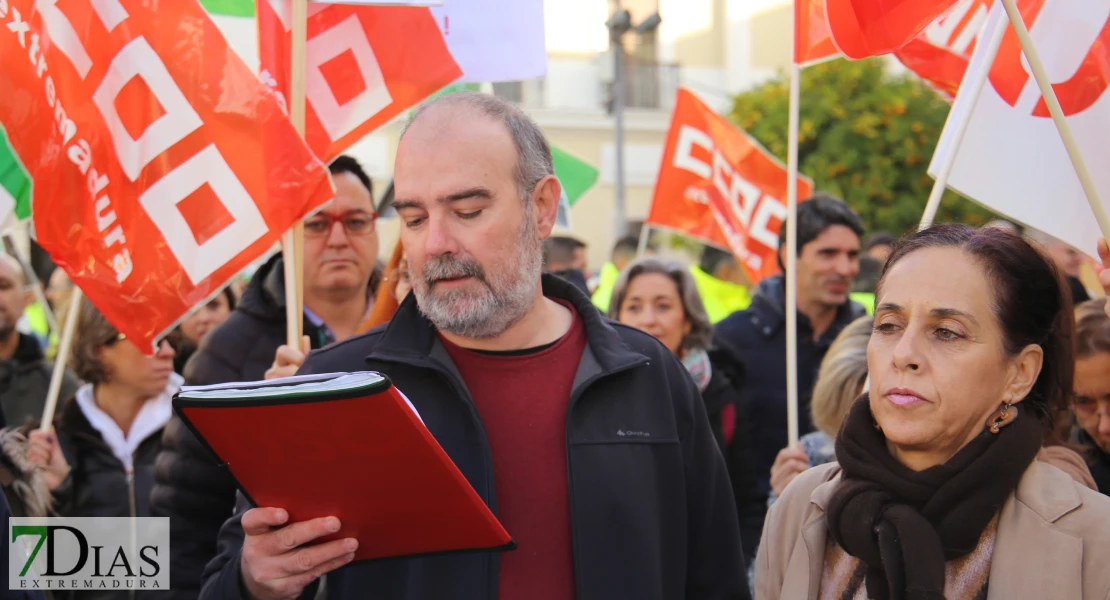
(354, 223)
(1089, 407)
(157, 344)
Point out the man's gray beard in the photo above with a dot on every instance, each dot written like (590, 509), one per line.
(503, 301)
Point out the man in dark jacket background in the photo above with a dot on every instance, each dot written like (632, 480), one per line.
(340, 277)
(564, 255)
(828, 260)
(24, 371)
(588, 439)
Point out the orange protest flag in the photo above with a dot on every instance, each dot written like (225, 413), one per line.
(812, 41)
(365, 65)
(718, 184)
(863, 28)
(940, 54)
(161, 165)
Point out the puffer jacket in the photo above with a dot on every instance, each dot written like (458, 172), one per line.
(190, 489)
(99, 485)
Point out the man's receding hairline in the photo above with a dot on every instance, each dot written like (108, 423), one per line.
(470, 109)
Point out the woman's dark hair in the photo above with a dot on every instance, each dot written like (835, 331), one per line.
(230, 295)
(1029, 299)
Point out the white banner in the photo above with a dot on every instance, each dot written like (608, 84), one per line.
(1012, 160)
(495, 40)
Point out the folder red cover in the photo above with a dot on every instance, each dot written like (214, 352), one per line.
(362, 455)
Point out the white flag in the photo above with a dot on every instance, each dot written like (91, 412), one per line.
(494, 40)
(1012, 160)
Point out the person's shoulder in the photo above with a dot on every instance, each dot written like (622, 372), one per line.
(638, 340)
(1067, 504)
(745, 327)
(347, 355)
(801, 489)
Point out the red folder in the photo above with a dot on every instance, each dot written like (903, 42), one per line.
(362, 455)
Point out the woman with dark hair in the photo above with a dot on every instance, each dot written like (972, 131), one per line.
(937, 493)
(658, 296)
(198, 323)
(99, 459)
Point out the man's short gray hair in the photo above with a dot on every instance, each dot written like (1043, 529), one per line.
(533, 161)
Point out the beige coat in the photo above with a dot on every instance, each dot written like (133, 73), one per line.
(1053, 539)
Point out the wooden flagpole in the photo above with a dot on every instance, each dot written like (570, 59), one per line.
(1050, 99)
(292, 241)
(645, 235)
(977, 81)
(792, 255)
(65, 343)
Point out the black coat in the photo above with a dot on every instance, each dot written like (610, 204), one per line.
(728, 379)
(652, 516)
(24, 380)
(190, 489)
(98, 484)
(1098, 461)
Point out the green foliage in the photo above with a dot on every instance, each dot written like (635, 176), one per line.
(864, 135)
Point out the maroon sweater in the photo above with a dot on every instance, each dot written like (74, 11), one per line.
(522, 399)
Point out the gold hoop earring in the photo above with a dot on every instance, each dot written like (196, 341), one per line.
(1003, 417)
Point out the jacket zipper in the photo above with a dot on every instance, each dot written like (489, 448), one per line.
(460, 389)
(134, 512)
(574, 396)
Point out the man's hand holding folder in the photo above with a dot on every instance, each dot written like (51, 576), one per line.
(277, 563)
(407, 498)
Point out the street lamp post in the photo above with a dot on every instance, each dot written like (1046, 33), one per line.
(619, 24)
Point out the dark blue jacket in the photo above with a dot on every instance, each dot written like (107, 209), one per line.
(652, 516)
(759, 335)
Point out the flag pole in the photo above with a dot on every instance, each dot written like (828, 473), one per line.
(1050, 99)
(292, 241)
(978, 81)
(645, 235)
(792, 255)
(65, 343)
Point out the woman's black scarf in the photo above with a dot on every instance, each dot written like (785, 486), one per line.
(905, 524)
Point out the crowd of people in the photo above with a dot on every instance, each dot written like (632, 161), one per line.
(628, 429)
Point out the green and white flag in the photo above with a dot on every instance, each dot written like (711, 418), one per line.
(576, 176)
(15, 187)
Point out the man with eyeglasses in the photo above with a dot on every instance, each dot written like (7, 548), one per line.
(340, 277)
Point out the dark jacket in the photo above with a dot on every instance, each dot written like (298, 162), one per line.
(759, 335)
(725, 384)
(98, 484)
(1098, 461)
(652, 515)
(24, 380)
(190, 489)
